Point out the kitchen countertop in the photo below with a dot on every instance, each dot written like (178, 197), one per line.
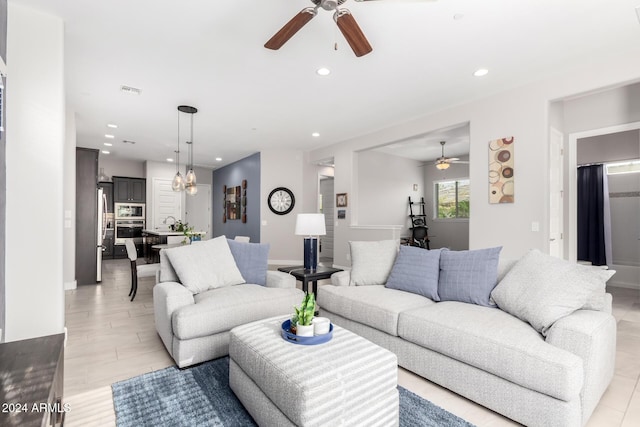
(170, 233)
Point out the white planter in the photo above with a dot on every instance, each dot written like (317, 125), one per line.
(304, 331)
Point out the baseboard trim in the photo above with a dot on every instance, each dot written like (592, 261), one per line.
(623, 285)
(69, 286)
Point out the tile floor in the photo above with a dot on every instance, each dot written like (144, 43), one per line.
(111, 339)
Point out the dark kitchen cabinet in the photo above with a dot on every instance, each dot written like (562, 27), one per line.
(107, 242)
(129, 189)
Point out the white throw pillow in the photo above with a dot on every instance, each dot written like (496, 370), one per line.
(371, 262)
(205, 265)
(541, 289)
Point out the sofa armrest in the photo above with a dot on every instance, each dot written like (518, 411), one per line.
(278, 279)
(167, 298)
(591, 335)
(341, 278)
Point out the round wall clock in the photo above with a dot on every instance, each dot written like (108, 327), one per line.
(281, 201)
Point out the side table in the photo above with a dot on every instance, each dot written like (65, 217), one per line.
(306, 276)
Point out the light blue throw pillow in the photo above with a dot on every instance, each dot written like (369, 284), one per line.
(469, 276)
(416, 270)
(252, 260)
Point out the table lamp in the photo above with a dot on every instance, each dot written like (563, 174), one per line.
(311, 226)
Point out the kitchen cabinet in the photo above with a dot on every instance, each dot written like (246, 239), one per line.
(129, 189)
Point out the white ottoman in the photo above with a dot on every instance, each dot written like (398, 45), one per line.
(347, 381)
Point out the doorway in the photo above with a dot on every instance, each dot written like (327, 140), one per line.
(610, 146)
(326, 206)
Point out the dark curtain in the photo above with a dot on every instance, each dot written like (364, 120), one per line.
(591, 221)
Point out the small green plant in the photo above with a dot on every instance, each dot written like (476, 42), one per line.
(307, 309)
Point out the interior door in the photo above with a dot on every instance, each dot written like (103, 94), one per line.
(556, 240)
(166, 203)
(327, 208)
(198, 210)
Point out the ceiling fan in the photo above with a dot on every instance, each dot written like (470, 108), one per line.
(345, 21)
(444, 162)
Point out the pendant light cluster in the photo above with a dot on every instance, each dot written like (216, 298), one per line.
(188, 182)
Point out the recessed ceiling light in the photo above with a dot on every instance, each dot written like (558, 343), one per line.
(105, 152)
(169, 159)
(218, 159)
(323, 71)
(481, 72)
(109, 136)
(130, 89)
(315, 134)
(112, 126)
(108, 144)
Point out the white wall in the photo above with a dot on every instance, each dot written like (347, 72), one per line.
(445, 233)
(522, 113)
(69, 252)
(35, 162)
(283, 168)
(385, 183)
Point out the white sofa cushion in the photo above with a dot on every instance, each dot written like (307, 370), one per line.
(540, 289)
(219, 310)
(205, 265)
(371, 262)
(496, 342)
(375, 306)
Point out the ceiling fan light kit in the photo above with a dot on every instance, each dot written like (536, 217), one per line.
(343, 18)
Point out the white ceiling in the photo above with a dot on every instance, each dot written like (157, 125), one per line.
(210, 54)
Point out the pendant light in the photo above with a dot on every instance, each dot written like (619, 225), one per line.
(178, 181)
(190, 179)
(187, 183)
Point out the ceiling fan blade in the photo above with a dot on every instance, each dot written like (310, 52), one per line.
(290, 28)
(352, 32)
(452, 159)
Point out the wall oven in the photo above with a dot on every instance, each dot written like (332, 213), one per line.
(129, 211)
(129, 229)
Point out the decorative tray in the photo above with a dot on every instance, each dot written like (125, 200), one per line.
(294, 339)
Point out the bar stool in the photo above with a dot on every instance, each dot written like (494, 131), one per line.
(142, 270)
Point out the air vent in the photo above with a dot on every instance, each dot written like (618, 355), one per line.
(131, 90)
(126, 141)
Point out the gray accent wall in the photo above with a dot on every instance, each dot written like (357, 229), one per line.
(233, 175)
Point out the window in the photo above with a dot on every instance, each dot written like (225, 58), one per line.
(632, 166)
(451, 199)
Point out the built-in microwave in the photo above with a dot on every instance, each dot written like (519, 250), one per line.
(129, 211)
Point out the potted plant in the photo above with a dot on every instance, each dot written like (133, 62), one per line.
(184, 228)
(304, 316)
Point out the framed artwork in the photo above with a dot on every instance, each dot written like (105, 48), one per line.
(341, 200)
(342, 213)
(232, 203)
(501, 161)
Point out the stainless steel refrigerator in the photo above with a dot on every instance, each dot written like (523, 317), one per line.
(101, 232)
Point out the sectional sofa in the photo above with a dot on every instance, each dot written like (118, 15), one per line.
(206, 289)
(538, 348)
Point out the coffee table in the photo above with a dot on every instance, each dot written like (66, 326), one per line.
(346, 381)
(306, 276)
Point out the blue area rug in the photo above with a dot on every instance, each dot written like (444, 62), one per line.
(201, 396)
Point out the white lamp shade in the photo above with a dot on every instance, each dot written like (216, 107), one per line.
(310, 225)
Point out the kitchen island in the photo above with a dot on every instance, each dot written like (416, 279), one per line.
(161, 237)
